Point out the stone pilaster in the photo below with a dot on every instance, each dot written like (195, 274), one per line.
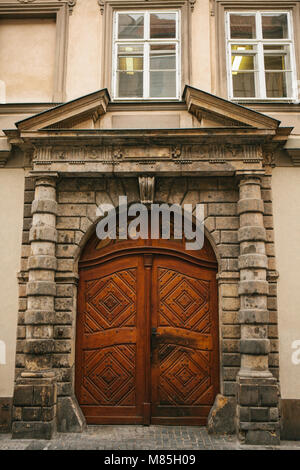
(35, 397)
(257, 389)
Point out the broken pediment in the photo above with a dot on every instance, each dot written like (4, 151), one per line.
(198, 109)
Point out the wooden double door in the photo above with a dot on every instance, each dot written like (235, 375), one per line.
(147, 341)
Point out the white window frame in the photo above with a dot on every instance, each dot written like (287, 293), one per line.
(259, 42)
(146, 41)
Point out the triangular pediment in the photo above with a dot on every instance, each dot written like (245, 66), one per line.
(209, 110)
(208, 107)
(85, 110)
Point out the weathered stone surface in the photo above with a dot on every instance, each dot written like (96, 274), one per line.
(255, 346)
(259, 437)
(221, 418)
(39, 317)
(251, 234)
(253, 287)
(48, 263)
(44, 206)
(43, 233)
(41, 288)
(69, 415)
(33, 430)
(250, 205)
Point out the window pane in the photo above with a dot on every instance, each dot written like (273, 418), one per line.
(162, 25)
(243, 84)
(163, 84)
(131, 26)
(242, 26)
(130, 85)
(130, 58)
(276, 85)
(162, 57)
(274, 62)
(274, 26)
(239, 62)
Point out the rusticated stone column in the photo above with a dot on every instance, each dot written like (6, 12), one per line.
(34, 414)
(257, 394)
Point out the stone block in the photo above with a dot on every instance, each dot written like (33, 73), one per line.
(76, 197)
(229, 251)
(69, 415)
(41, 262)
(230, 303)
(71, 210)
(39, 346)
(65, 236)
(63, 303)
(253, 261)
(222, 209)
(45, 395)
(231, 359)
(229, 236)
(62, 332)
(33, 430)
(36, 288)
(253, 316)
(44, 206)
(262, 438)
(227, 223)
(248, 395)
(259, 414)
(67, 223)
(221, 418)
(251, 233)
(44, 233)
(255, 346)
(23, 395)
(39, 317)
(250, 205)
(253, 287)
(268, 395)
(31, 413)
(229, 389)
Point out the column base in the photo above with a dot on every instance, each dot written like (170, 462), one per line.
(34, 405)
(258, 410)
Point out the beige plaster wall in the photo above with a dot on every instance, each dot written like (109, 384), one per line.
(11, 220)
(286, 200)
(84, 49)
(27, 54)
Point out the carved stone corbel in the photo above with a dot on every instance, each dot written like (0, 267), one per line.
(146, 185)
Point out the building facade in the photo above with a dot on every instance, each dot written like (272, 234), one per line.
(165, 102)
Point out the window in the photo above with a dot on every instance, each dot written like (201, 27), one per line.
(146, 55)
(260, 56)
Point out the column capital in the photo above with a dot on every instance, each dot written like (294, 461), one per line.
(247, 176)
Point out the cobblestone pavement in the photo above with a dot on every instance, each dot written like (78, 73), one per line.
(136, 438)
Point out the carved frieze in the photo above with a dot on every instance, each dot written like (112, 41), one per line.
(180, 154)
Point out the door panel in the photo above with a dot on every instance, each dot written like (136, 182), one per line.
(110, 379)
(184, 342)
(147, 340)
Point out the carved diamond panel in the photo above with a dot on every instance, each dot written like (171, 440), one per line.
(184, 376)
(111, 301)
(109, 376)
(184, 301)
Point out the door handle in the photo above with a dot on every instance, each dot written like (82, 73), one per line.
(154, 334)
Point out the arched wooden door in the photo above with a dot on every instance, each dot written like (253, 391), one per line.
(147, 334)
